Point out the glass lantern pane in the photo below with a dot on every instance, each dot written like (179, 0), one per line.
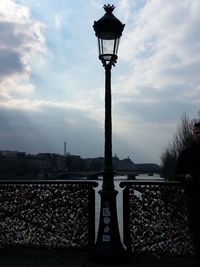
(116, 46)
(108, 46)
(99, 46)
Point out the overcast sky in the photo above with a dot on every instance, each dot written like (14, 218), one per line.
(52, 83)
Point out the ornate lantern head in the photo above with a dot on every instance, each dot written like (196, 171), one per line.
(108, 30)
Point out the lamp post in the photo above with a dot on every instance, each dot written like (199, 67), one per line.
(108, 246)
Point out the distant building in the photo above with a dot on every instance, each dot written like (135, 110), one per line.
(148, 167)
(19, 165)
(75, 163)
(123, 165)
(94, 164)
(65, 148)
(97, 164)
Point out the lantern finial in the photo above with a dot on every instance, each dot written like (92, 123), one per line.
(109, 8)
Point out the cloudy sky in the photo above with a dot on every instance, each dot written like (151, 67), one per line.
(52, 83)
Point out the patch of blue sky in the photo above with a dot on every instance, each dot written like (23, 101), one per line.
(139, 4)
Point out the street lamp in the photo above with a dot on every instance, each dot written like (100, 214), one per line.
(108, 246)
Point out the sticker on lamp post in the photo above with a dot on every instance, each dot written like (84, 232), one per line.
(107, 229)
(106, 212)
(106, 220)
(106, 238)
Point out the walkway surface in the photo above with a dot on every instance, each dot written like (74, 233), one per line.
(61, 258)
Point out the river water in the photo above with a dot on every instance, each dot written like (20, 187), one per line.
(117, 181)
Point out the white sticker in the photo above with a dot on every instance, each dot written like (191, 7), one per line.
(106, 212)
(106, 220)
(106, 238)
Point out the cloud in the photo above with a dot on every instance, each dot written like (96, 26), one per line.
(50, 76)
(44, 130)
(57, 21)
(10, 63)
(22, 39)
(162, 46)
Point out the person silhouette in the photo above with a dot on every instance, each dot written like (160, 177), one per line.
(188, 172)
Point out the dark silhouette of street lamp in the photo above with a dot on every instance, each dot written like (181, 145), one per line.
(108, 30)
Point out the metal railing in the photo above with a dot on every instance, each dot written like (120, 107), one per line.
(155, 218)
(53, 214)
(61, 214)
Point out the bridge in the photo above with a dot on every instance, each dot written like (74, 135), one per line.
(131, 175)
(150, 243)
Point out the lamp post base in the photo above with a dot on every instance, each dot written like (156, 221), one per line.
(109, 254)
(108, 247)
